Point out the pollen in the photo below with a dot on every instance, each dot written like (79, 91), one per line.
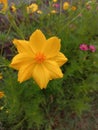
(40, 57)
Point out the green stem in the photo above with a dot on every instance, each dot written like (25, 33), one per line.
(3, 66)
(14, 25)
(71, 21)
(60, 7)
(19, 124)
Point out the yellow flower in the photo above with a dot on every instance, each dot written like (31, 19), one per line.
(53, 11)
(65, 6)
(5, 5)
(39, 12)
(73, 8)
(1, 94)
(55, 0)
(1, 76)
(39, 58)
(13, 8)
(1, 108)
(32, 8)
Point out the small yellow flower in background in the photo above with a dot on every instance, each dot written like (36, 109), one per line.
(55, 0)
(1, 108)
(1, 94)
(66, 6)
(53, 11)
(13, 8)
(39, 12)
(5, 5)
(1, 77)
(32, 8)
(39, 58)
(73, 8)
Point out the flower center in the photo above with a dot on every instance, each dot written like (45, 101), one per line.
(40, 57)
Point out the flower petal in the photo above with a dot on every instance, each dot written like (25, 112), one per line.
(25, 72)
(52, 47)
(60, 59)
(5, 5)
(22, 46)
(21, 59)
(41, 75)
(37, 41)
(54, 69)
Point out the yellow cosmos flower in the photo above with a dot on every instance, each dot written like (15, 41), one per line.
(73, 8)
(38, 58)
(1, 94)
(39, 12)
(55, 0)
(5, 5)
(32, 8)
(13, 8)
(66, 5)
(53, 11)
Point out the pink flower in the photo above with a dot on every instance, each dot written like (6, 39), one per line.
(92, 48)
(56, 5)
(84, 47)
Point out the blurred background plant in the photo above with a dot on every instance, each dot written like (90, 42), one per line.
(62, 104)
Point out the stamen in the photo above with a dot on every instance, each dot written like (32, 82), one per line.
(40, 57)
